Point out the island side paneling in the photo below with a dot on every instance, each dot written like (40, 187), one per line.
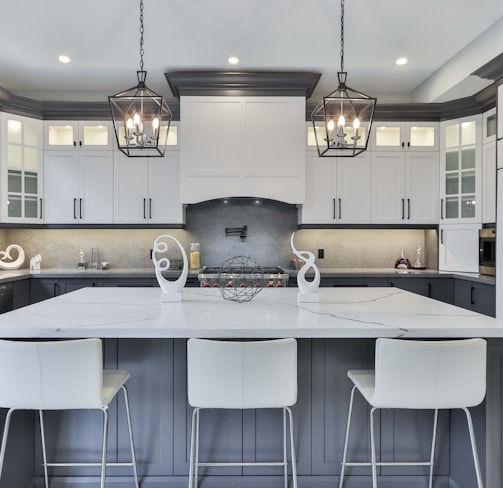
(161, 420)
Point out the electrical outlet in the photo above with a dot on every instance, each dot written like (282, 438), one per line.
(321, 253)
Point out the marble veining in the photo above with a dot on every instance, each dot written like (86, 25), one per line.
(341, 313)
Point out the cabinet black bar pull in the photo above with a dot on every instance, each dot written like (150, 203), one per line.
(74, 208)
(80, 143)
(408, 144)
(408, 208)
(41, 209)
(403, 144)
(340, 208)
(403, 209)
(80, 207)
(149, 208)
(429, 289)
(74, 143)
(441, 209)
(441, 236)
(55, 289)
(333, 208)
(144, 208)
(472, 295)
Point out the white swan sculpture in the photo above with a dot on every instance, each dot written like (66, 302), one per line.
(171, 290)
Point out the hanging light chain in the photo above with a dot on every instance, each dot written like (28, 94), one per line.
(342, 36)
(141, 35)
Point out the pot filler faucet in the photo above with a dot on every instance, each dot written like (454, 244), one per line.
(236, 231)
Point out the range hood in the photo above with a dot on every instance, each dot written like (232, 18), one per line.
(242, 134)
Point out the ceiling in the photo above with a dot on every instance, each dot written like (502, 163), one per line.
(444, 40)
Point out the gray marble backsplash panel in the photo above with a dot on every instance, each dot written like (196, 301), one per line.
(269, 227)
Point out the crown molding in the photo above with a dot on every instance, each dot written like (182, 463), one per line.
(274, 83)
(242, 83)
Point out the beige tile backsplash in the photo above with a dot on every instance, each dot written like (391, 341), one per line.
(129, 248)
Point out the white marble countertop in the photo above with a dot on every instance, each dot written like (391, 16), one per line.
(341, 313)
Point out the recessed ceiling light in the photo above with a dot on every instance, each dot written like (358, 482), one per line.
(401, 61)
(63, 59)
(233, 60)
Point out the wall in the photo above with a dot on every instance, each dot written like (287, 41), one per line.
(269, 228)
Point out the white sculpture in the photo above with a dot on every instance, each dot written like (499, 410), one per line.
(35, 262)
(171, 290)
(308, 290)
(17, 263)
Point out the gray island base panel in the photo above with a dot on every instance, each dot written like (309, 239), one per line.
(341, 313)
(148, 338)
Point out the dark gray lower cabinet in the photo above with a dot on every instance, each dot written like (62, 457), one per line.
(128, 282)
(479, 297)
(353, 281)
(44, 288)
(441, 289)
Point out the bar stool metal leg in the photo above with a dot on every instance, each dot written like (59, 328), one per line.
(346, 439)
(4, 439)
(44, 452)
(433, 442)
(293, 459)
(474, 447)
(373, 448)
(104, 448)
(131, 439)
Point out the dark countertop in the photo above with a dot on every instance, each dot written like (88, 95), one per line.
(15, 275)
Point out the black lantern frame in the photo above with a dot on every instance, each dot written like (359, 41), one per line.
(141, 117)
(343, 119)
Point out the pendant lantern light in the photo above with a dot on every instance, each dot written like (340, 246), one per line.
(141, 117)
(342, 120)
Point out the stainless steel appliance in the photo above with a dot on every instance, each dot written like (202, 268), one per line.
(269, 276)
(487, 251)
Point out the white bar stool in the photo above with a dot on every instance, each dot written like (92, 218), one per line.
(242, 375)
(60, 375)
(413, 374)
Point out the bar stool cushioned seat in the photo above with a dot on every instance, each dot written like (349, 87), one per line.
(242, 375)
(413, 374)
(60, 375)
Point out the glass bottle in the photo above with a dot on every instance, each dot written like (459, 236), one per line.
(195, 255)
(402, 263)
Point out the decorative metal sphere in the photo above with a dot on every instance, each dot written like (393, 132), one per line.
(240, 278)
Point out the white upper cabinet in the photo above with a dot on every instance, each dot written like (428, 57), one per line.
(337, 190)
(83, 135)
(461, 170)
(404, 136)
(146, 190)
(458, 248)
(405, 188)
(21, 169)
(489, 183)
(242, 146)
(489, 126)
(499, 111)
(78, 187)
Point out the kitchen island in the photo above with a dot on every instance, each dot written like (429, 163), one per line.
(148, 338)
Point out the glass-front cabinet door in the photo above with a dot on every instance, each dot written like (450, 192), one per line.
(405, 136)
(82, 135)
(22, 160)
(461, 153)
